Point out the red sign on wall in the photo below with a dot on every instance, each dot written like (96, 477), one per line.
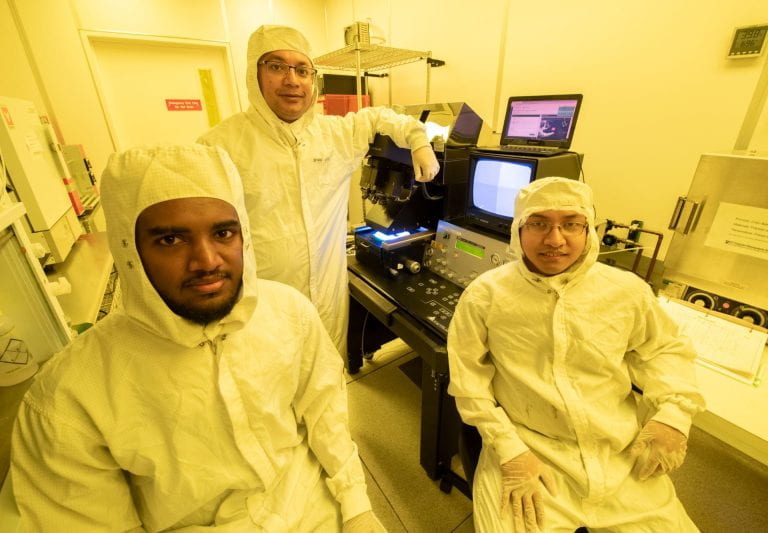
(183, 105)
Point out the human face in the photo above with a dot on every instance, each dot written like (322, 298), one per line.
(192, 252)
(552, 253)
(287, 95)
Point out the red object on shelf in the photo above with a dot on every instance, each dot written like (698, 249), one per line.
(341, 104)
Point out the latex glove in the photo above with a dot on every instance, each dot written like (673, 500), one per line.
(522, 479)
(363, 523)
(425, 165)
(658, 449)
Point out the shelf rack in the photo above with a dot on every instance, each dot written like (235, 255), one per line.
(364, 57)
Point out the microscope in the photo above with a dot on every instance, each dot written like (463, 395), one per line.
(400, 213)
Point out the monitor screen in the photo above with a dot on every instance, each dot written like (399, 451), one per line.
(547, 120)
(494, 182)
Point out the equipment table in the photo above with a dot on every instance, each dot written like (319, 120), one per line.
(417, 308)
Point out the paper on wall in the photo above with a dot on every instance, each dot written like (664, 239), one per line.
(741, 229)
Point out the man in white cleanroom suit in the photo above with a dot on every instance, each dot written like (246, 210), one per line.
(210, 399)
(543, 353)
(296, 167)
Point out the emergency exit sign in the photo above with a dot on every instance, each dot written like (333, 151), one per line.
(183, 105)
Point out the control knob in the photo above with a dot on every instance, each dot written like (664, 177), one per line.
(751, 315)
(413, 266)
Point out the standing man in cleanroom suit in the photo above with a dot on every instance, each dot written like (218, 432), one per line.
(543, 353)
(210, 399)
(296, 167)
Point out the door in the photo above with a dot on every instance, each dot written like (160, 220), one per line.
(162, 90)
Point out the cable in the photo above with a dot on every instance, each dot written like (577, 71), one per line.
(625, 250)
(426, 193)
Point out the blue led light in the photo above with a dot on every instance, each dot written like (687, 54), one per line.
(383, 236)
(388, 237)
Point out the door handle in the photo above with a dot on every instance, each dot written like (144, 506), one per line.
(687, 212)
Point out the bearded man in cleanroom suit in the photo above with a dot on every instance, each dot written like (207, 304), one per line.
(211, 399)
(543, 354)
(296, 167)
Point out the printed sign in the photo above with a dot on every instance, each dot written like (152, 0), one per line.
(183, 105)
(209, 95)
(741, 229)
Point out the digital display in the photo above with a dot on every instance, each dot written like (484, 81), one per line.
(470, 248)
(496, 183)
(748, 42)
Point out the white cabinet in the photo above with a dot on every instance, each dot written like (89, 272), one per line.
(24, 296)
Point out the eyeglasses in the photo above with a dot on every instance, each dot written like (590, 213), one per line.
(571, 229)
(282, 69)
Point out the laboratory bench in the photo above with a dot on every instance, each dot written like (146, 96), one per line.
(417, 309)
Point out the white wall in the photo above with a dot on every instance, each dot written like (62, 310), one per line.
(47, 57)
(18, 78)
(658, 89)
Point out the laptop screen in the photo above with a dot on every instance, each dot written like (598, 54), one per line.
(541, 120)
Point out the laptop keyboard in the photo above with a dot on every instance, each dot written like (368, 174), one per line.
(531, 149)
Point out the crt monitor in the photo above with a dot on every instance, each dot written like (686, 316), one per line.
(496, 177)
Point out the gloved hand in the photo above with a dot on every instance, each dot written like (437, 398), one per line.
(363, 523)
(521, 482)
(425, 165)
(658, 449)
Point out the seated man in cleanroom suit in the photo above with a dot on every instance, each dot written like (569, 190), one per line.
(211, 398)
(296, 167)
(543, 352)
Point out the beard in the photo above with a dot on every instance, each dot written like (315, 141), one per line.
(204, 315)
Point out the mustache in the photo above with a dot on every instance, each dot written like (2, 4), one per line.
(203, 278)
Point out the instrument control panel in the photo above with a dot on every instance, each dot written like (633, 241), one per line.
(708, 300)
(459, 254)
(430, 298)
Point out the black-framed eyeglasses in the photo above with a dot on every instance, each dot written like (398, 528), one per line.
(571, 229)
(282, 69)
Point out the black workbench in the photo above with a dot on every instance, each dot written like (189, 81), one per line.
(417, 308)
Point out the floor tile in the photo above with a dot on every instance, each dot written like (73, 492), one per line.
(385, 422)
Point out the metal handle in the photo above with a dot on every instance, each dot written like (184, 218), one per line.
(683, 204)
(692, 217)
(677, 212)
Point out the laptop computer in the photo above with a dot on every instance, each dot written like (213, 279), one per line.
(539, 125)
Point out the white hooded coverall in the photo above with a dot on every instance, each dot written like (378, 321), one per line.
(297, 177)
(150, 421)
(547, 363)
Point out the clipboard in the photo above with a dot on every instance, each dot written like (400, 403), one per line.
(722, 342)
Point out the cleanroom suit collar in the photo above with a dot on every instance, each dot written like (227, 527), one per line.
(141, 177)
(559, 194)
(268, 39)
